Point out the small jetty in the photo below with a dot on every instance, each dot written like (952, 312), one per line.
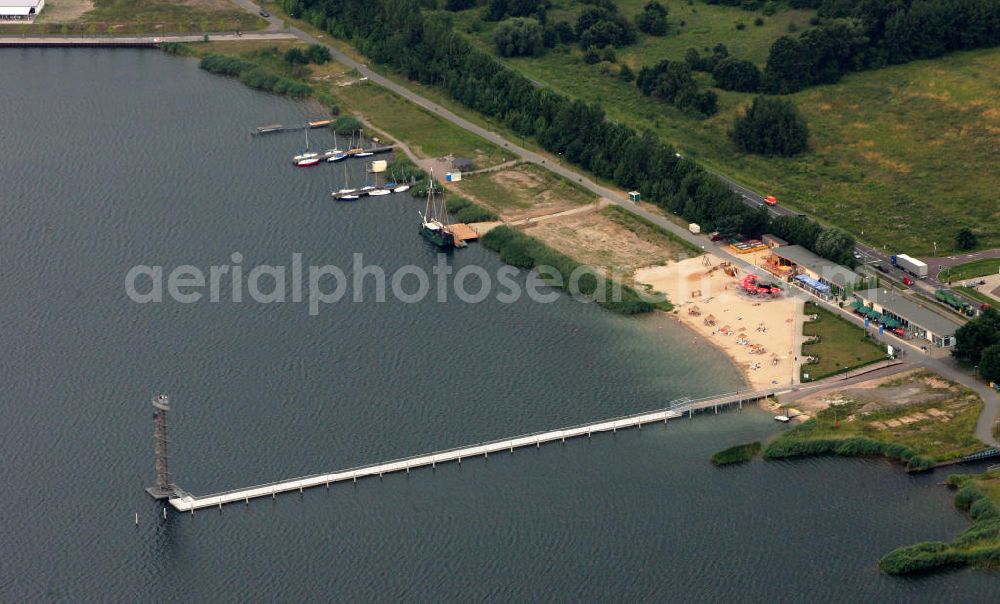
(463, 232)
(273, 128)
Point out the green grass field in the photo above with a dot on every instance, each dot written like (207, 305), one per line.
(841, 346)
(523, 187)
(426, 134)
(971, 270)
(901, 157)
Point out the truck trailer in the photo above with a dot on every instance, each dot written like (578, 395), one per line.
(911, 265)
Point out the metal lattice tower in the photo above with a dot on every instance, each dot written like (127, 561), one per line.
(163, 488)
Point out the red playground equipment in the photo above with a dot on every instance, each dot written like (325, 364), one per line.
(755, 288)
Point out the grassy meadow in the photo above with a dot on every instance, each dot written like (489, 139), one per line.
(841, 346)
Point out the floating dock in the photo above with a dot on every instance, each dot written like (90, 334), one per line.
(273, 128)
(185, 502)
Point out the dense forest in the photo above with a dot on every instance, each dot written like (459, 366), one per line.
(396, 33)
(854, 35)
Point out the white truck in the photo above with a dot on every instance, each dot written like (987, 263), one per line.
(911, 265)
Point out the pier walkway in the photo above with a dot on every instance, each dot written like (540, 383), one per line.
(185, 502)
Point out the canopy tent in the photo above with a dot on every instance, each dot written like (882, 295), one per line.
(813, 283)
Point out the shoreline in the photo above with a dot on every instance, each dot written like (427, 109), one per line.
(761, 337)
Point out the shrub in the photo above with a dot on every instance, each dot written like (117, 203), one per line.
(918, 558)
(965, 239)
(318, 54)
(737, 454)
(653, 19)
(733, 74)
(467, 211)
(519, 37)
(296, 56)
(771, 127)
(346, 124)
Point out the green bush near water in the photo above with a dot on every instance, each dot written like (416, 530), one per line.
(977, 546)
(254, 75)
(737, 454)
(346, 124)
(466, 211)
(520, 250)
(858, 446)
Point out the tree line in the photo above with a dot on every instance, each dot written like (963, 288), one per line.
(978, 343)
(395, 33)
(855, 35)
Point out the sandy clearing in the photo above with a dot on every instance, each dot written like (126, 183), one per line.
(64, 11)
(597, 240)
(701, 291)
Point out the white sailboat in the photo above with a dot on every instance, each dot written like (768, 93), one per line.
(347, 193)
(307, 157)
(335, 154)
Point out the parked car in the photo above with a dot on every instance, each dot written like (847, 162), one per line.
(907, 281)
(265, 14)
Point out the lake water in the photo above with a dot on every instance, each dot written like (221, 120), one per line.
(114, 158)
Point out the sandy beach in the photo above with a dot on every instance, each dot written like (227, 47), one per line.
(761, 334)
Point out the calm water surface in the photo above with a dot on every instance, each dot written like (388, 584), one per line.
(110, 159)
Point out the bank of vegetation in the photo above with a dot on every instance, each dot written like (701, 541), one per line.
(737, 454)
(525, 252)
(978, 495)
(427, 50)
(465, 210)
(254, 75)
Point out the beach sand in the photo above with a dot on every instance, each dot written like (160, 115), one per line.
(702, 291)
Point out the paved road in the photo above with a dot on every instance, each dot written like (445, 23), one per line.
(619, 198)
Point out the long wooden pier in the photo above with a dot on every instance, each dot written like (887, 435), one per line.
(186, 502)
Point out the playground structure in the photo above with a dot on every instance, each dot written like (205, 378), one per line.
(753, 287)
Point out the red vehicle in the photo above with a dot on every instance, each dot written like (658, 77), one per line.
(899, 332)
(771, 200)
(907, 281)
